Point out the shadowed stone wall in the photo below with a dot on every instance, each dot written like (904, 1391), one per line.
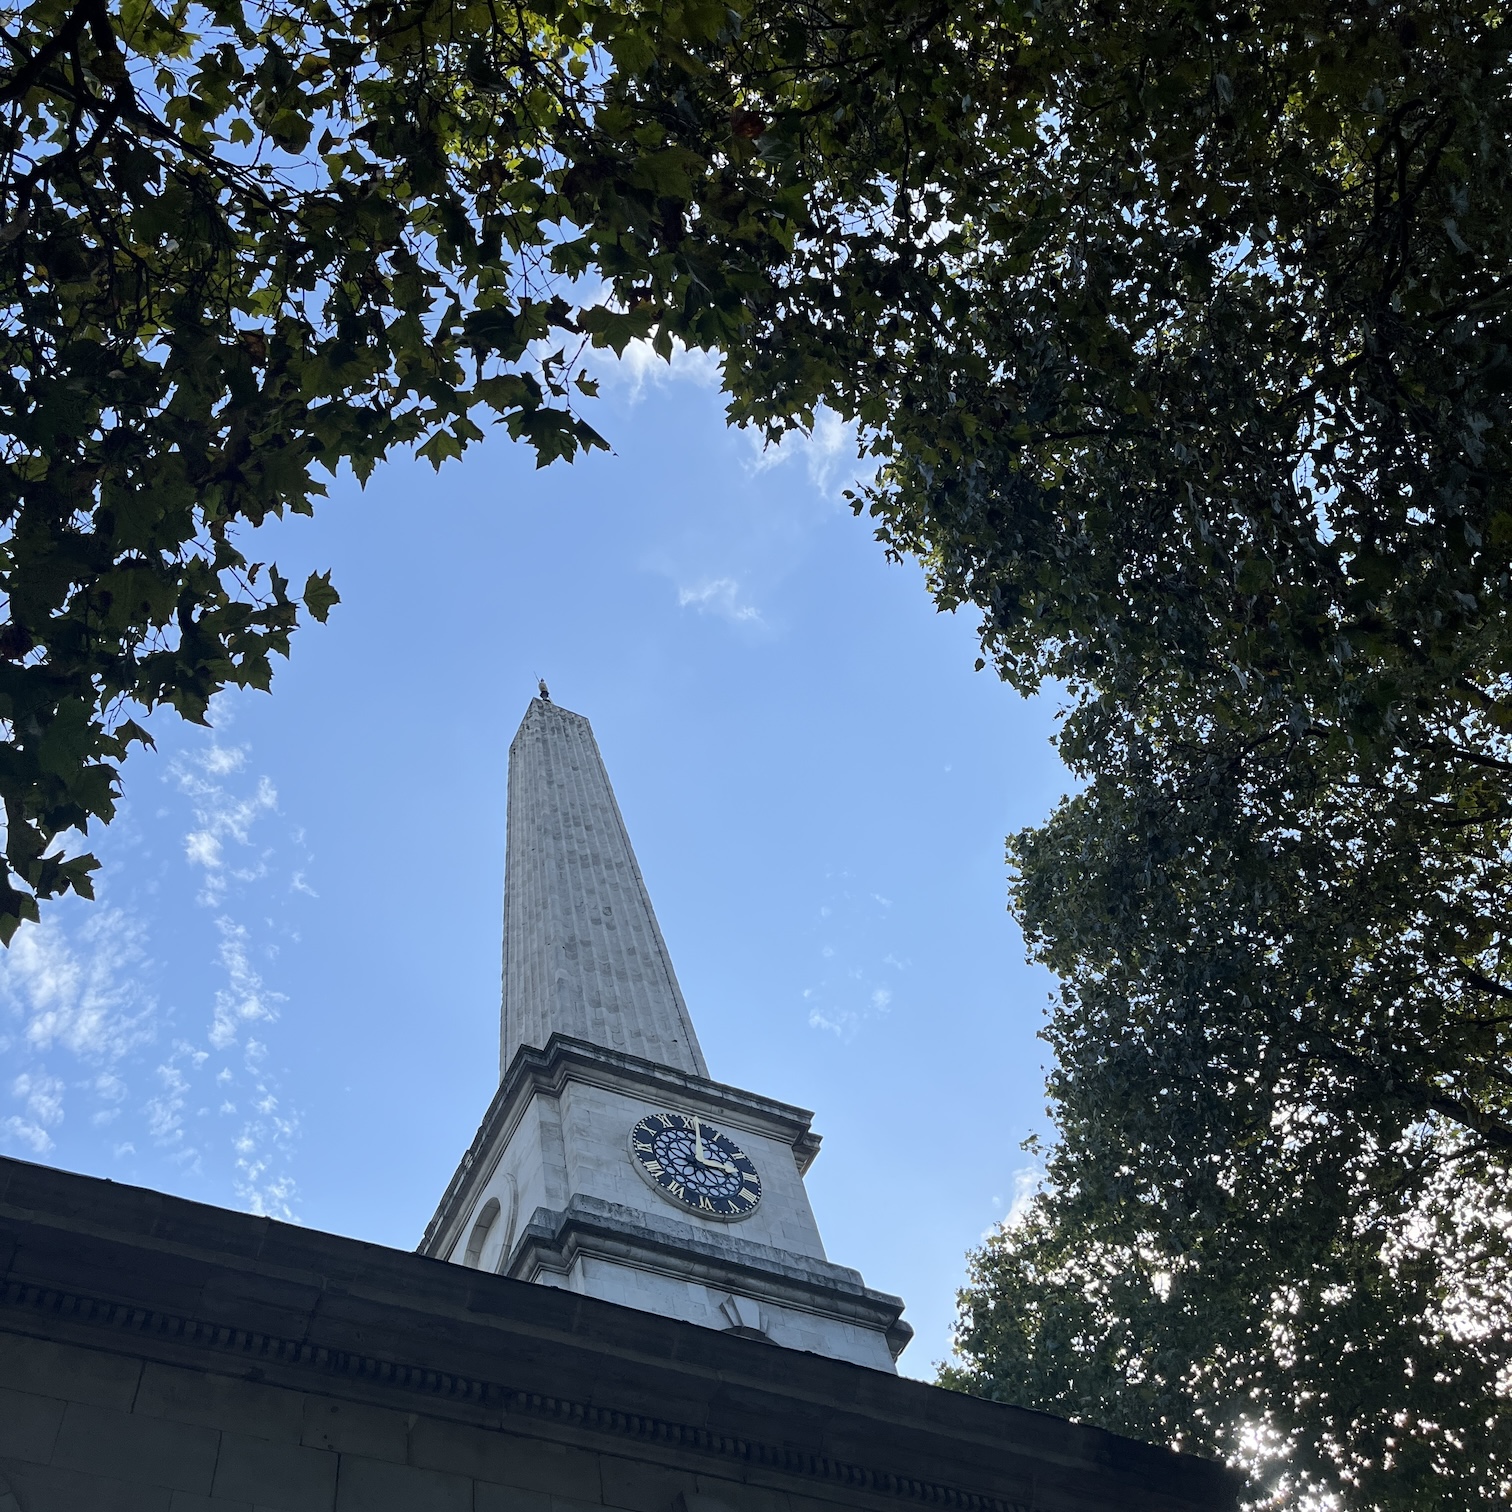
(161, 1356)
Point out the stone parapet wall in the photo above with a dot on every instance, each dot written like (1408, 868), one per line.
(161, 1356)
(95, 1431)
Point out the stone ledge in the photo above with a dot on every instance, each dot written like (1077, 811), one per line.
(587, 1225)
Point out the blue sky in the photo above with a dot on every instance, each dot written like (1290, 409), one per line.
(286, 997)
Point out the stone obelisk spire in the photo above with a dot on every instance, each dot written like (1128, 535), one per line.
(583, 955)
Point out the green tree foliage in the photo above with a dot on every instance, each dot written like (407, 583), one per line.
(1207, 414)
(1179, 334)
(244, 245)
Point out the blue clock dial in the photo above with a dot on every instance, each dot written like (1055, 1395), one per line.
(693, 1164)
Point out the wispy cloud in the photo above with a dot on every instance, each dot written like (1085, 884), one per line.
(828, 452)
(263, 1182)
(1027, 1182)
(79, 992)
(841, 1022)
(244, 999)
(32, 1135)
(165, 1110)
(42, 1097)
(640, 367)
(848, 995)
(222, 815)
(42, 1094)
(80, 1024)
(721, 597)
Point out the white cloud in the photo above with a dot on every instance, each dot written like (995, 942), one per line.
(109, 1087)
(79, 986)
(30, 1134)
(825, 449)
(221, 761)
(640, 366)
(845, 1022)
(201, 848)
(264, 1141)
(42, 1094)
(1027, 1181)
(81, 993)
(219, 814)
(165, 1112)
(267, 1196)
(720, 596)
(244, 1000)
(838, 1021)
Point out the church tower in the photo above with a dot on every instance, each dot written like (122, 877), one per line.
(609, 1162)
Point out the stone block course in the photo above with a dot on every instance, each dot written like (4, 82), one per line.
(506, 1458)
(67, 1372)
(487, 1498)
(51, 1488)
(287, 1476)
(215, 1401)
(367, 1485)
(642, 1487)
(711, 1494)
(28, 1425)
(355, 1428)
(130, 1447)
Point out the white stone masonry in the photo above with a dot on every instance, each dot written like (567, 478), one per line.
(594, 1037)
(583, 954)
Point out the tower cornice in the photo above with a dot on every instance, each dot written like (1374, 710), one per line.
(556, 1240)
(567, 1059)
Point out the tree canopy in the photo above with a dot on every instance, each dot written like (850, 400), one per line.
(247, 245)
(1215, 434)
(1179, 335)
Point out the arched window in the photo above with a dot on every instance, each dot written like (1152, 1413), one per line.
(487, 1217)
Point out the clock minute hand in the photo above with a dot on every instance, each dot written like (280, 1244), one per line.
(702, 1159)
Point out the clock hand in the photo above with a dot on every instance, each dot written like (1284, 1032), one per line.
(702, 1159)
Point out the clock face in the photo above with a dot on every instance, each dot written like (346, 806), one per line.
(692, 1164)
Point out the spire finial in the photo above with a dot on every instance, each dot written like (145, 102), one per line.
(545, 692)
